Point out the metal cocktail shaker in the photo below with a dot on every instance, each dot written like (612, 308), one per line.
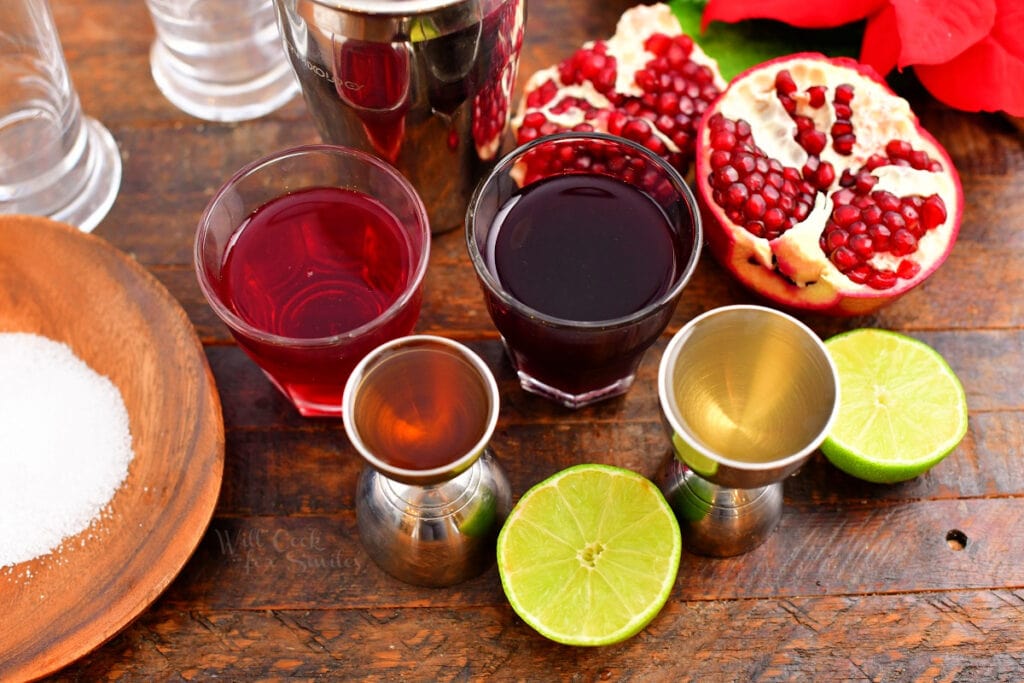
(424, 84)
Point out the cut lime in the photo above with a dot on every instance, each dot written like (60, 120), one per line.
(901, 410)
(590, 555)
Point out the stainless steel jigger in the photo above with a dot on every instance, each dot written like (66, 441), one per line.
(434, 527)
(747, 394)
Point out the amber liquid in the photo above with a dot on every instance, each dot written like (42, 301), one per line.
(422, 408)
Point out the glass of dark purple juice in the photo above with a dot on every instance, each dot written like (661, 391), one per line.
(582, 243)
(313, 257)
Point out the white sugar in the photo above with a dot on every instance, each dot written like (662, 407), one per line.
(65, 445)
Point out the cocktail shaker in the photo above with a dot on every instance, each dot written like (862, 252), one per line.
(424, 84)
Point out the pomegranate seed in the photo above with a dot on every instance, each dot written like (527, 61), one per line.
(862, 245)
(860, 274)
(898, 149)
(755, 207)
(880, 237)
(933, 212)
(754, 182)
(784, 83)
(812, 140)
(903, 243)
(844, 258)
(871, 214)
(824, 176)
(774, 219)
(864, 182)
(843, 112)
(874, 161)
(893, 221)
(908, 269)
(842, 128)
(887, 201)
(723, 139)
(858, 228)
(756, 228)
(845, 214)
(657, 43)
(816, 96)
(744, 163)
(736, 195)
(882, 279)
(844, 93)
(843, 144)
(835, 239)
(842, 197)
(724, 176)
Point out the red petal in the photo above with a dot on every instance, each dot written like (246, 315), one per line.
(988, 76)
(800, 13)
(881, 45)
(987, 91)
(936, 31)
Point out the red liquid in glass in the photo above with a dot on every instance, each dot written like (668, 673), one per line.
(585, 248)
(312, 264)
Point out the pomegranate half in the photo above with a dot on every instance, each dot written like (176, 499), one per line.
(649, 83)
(821, 190)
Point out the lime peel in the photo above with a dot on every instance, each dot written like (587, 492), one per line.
(902, 408)
(589, 556)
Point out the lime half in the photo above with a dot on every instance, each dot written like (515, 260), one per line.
(590, 555)
(902, 408)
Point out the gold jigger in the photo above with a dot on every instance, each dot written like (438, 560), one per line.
(747, 393)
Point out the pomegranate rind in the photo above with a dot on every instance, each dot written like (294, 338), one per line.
(792, 270)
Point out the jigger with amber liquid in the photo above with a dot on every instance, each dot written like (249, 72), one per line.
(420, 410)
(747, 394)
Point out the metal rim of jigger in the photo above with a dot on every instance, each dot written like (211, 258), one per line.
(437, 474)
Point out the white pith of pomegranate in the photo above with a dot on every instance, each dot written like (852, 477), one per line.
(649, 83)
(821, 190)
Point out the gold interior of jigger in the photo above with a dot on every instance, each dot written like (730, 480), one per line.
(752, 387)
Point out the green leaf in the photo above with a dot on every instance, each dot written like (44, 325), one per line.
(737, 47)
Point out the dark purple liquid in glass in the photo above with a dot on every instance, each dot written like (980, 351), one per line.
(584, 248)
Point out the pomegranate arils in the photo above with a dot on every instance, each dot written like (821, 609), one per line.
(648, 83)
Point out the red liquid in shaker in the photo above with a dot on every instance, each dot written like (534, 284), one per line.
(313, 264)
(424, 407)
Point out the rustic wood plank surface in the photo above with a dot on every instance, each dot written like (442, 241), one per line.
(918, 581)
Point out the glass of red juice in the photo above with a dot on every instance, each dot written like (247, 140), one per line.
(582, 244)
(313, 257)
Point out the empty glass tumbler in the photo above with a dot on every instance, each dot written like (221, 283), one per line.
(54, 161)
(220, 60)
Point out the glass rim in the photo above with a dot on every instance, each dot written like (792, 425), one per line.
(238, 323)
(669, 405)
(495, 287)
(379, 354)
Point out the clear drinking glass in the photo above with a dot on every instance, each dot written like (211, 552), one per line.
(54, 161)
(220, 60)
(588, 275)
(312, 257)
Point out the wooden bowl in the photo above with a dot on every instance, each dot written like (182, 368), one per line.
(78, 289)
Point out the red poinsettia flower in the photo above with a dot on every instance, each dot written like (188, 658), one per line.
(967, 53)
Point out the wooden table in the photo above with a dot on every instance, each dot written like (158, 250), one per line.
(858, 582)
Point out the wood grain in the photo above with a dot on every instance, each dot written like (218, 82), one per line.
(77, 289)
(857, 583)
